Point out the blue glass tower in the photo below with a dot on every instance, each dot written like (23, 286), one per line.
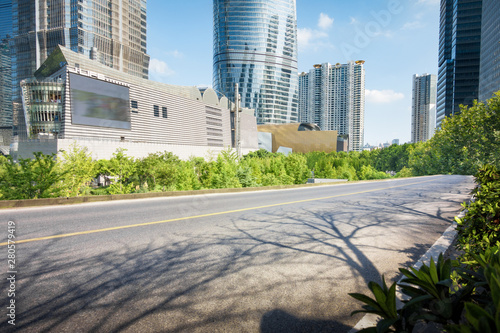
(255, 45)
(489, 73)
(459, 56)
(5, 71)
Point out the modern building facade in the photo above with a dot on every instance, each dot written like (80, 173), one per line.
(489, 71)
(333, 97)
(255, 45)
(459, 55)
(111, 32)
(423, 109)
(5, 76)
(104, 109)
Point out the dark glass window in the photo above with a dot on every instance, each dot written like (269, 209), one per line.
(156, 109)
(164, 112)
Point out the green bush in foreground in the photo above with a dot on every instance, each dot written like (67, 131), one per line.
(479, 229)
(436, 302)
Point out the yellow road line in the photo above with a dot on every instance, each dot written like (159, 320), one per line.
(200, 216)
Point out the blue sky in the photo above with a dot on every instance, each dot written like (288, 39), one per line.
(396, 38)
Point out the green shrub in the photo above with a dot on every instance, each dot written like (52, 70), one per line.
(472, 307)
(187, 178)
(296, 168)
(367, 172)
(479, 229)
(78, 170)
(482, 314)
(246, 177)
(158, 169)
(99, 191)
(405, 172)
(31, 178)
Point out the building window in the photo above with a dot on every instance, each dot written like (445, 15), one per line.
(134, 106)
(156, 109)
(164, 112)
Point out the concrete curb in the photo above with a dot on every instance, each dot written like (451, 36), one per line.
(4, 204)
(440, 246)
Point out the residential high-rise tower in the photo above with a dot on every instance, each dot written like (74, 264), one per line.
(333, 97)
(423, 109)
(111, 32)
(255, 45)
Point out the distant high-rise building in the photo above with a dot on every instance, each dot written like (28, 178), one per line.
(5, 65)
(459, 55)
(255, 45)
(111, 32)
(423, 109)
(489, 72)
(333, 97)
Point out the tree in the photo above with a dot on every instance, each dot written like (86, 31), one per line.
(187, 178)
(296, 167)
(31, 178)
(78, 169)
(392, 158)
(470, 139)
(224, 170)
(122, 168)
(159, 169)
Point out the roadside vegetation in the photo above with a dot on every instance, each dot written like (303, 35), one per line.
(464, 143)
(460, 295)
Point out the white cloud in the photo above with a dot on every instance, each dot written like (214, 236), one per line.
(315, 39)
(428, 2)
(324, 21)
(353, 20)
(176, 54)
(308, 36)
(413, 25)
(159, 68)
(382, 96)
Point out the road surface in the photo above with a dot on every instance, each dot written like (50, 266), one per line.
(266, 261)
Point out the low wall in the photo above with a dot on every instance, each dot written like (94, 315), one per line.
(104, 149)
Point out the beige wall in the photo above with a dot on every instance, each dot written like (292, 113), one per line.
(286, 135)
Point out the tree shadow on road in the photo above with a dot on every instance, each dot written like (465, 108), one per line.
(279, 321)
(283, 269)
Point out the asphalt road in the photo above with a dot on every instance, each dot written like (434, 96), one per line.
(267, 261)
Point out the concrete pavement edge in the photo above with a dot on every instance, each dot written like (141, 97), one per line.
(440, 246)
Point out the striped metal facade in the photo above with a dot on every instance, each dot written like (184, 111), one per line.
(159, 113)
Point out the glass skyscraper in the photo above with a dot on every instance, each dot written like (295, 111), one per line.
(255, 45)
(5, 66)
(489, 73)
(459, 56)
(111, 32)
